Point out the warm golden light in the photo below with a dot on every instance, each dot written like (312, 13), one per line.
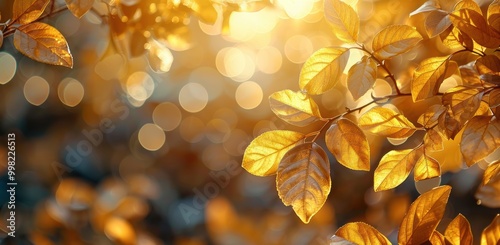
(151, 137)
(70, 92)
(9, 66)
(140, 86)
(192, 129)
(298, 48)
(269, 60)
(249, 95)
(167, 115)
(36, 90)
(193, 97)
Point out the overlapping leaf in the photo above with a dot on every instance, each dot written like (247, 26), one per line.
(361, 77)
(265, 152)
(426, 168)
(491, 234)
(480, 138)
(433, 141)
(386, 122)
(469, 75)
(494, 102)
(43, 43)
(423, 216)
(394, 40)
(303, 179)
(437, 22)
(491, 171)
(459, 231)
(296, 108)
(468, 4)
(323, 69)
(428, 77)
(343, 19)
(463, 102)
(27, 11)
(79, 7)
(347, 142)
(430, 117)
(394, 168)
(488, 64)
(362, 233)
(449, 124)
(473, 24)
(437, 238)
(493, 16)
(453, 38)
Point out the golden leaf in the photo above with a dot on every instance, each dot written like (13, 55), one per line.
(489, 195)
(488, 64)
(468, 4)
(323, 69)
(463, 102)
(494, 102)
(362, 233)
(494, 15)
(453, 38)
(394, 40)
(303, 179)
(459, 231)
(386, 122)
(79, 7)
(423, 216)
(265, 152)
(343, 19)
(437, 238)
(437, 22)
(428, 77)
(491, 234)
(474, 25)
(426, 168)
(491, 171)
(347, 142)
(394, 168)
(449, 124)
(430, 117)
(27, 11)
(469, 75)
(481, 137)
(428, 6)
(203, 9)
(433, 141)
(296, 108)
(361, 77)
(43, 43)
(493, 78)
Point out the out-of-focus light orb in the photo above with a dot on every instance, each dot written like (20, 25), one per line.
(249, 95)
(235, 63)
(9, 66)
(193, 97)
(216, 28)
(167, 115)
(140, 86)
(159, 56)
(296, 9)
(36, 90)
(119, 230)
(381, 88)
(298, 48)
(192, 129)
(151, 137)
(70, 92)
(67, 24)
(269, 60)
(395, 141)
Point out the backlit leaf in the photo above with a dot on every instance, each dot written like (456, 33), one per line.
(494, 15)
(459, 231)
(493, 78)
(491, 234)
(428, 6)
(27, 11)
(430, 117)
(433, 141)
(453, 38)
(79, 7)
(394, 40)
(303, 179)
(463, 101)
(426, 168)
(343, 19)
(481, 137)
(362, 233)
(468, 4)
(361, 77)
(323, 69)
(428, 77)
(488, 64)
(474, 25)
(43, 43)
(386, 122)
(469, 75)
(437, 238)
(347, 142)
(494, 102)
(296, 108)
(437, 22)
(449, 124)
(423, 216)
(265, 152)
(491, 171)
(394, 168)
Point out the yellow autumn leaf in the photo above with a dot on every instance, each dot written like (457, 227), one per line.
(296, 108)
(469, 75)
(362, 233)
(494, 102)
(386, 122)
(459, 231)
(79, 7)
(463, 102)
(480, 138)
(437, 238)
(430, 117)
(426, 168)
(493, 15)
(43, 43)
(361, 77)
(488, 64)
(423, 216)
(343, 19)
(437, 22)
(433, 140)
(394, 40)
(448, 124)
(468, 4)
(491, 171)
(428, 77)
(27, 11)
(394, 168)
(428, 6)
(493, 78)
(474, 25)
(453, 38)
(491, 234)
(347, 142)
(323, 69)
(303, 179)
(265, 152)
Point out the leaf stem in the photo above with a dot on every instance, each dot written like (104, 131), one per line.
(9, 29)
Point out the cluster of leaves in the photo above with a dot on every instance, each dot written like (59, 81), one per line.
(468, 111)
(133, 24)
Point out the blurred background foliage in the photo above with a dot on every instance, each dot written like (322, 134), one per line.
(141, 142)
